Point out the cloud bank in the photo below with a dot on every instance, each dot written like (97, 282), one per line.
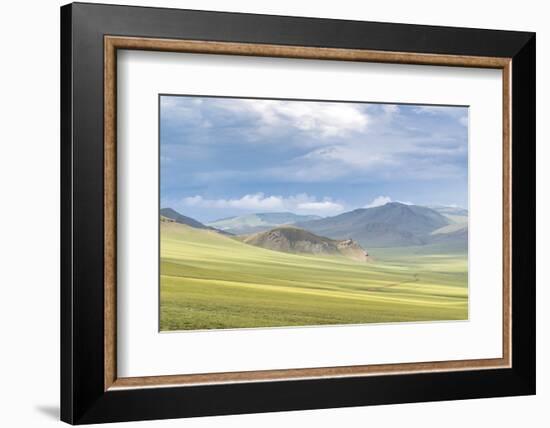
(320, 119)
(258, 202)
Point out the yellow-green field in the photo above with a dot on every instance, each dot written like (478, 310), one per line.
(211, 281)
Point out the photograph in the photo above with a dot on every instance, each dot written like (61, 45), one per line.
(286, 213)
(271, 211)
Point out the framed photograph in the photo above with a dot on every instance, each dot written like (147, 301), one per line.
(266, 213)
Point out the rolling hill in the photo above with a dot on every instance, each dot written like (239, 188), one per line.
(391, 225)
(453, 237)
(290, 239)
(171, 214)
(455, 214)
(252, 223)
(212, 281)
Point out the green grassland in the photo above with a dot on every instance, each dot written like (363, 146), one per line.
(211, 281)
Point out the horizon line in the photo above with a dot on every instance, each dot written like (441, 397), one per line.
(429, 206)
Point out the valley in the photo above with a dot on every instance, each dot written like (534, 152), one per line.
(211, 279)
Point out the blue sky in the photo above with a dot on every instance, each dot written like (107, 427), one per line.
(222, 157)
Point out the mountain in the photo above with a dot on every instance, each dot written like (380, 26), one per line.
(179, 218)
(167, 214)
(455, 214)
(450, 229)
(291, 239)
(260, 222)
(391, 225)
(454, 235)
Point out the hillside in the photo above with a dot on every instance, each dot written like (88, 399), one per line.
(453, 236)
(212, 281)
(391, 225)
(290, 239)
(457, 215)
(167, 214)
(252, 223)
(181, 219)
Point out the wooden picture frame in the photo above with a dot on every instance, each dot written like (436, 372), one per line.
(91, 390)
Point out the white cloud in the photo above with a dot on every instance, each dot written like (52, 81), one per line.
(300, 203)
(356, 155)
(378, 201)
(320, 141)
(320, 207)
(383, 200)
(390, 108)
(248, 202)
(321, 119)
(431, 109)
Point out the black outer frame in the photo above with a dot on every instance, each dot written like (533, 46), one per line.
(83, 399)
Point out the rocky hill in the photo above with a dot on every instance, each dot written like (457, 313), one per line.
(290, 239)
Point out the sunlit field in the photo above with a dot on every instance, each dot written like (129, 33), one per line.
(212, 281)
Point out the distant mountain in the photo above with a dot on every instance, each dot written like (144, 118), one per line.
(167, 214)
(455, 214)
(455, 234)
(180, 218)
(290, 239)
(260, 222)
(452, 228)
(391, 225)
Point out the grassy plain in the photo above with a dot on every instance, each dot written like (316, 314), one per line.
(211, 281)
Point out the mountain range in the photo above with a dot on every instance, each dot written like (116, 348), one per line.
(455, 214)
(252, 223)
(391, 225)
(171, 214)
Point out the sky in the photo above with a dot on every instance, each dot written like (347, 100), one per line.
(222, 157)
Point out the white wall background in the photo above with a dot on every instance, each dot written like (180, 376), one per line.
(29, 214)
